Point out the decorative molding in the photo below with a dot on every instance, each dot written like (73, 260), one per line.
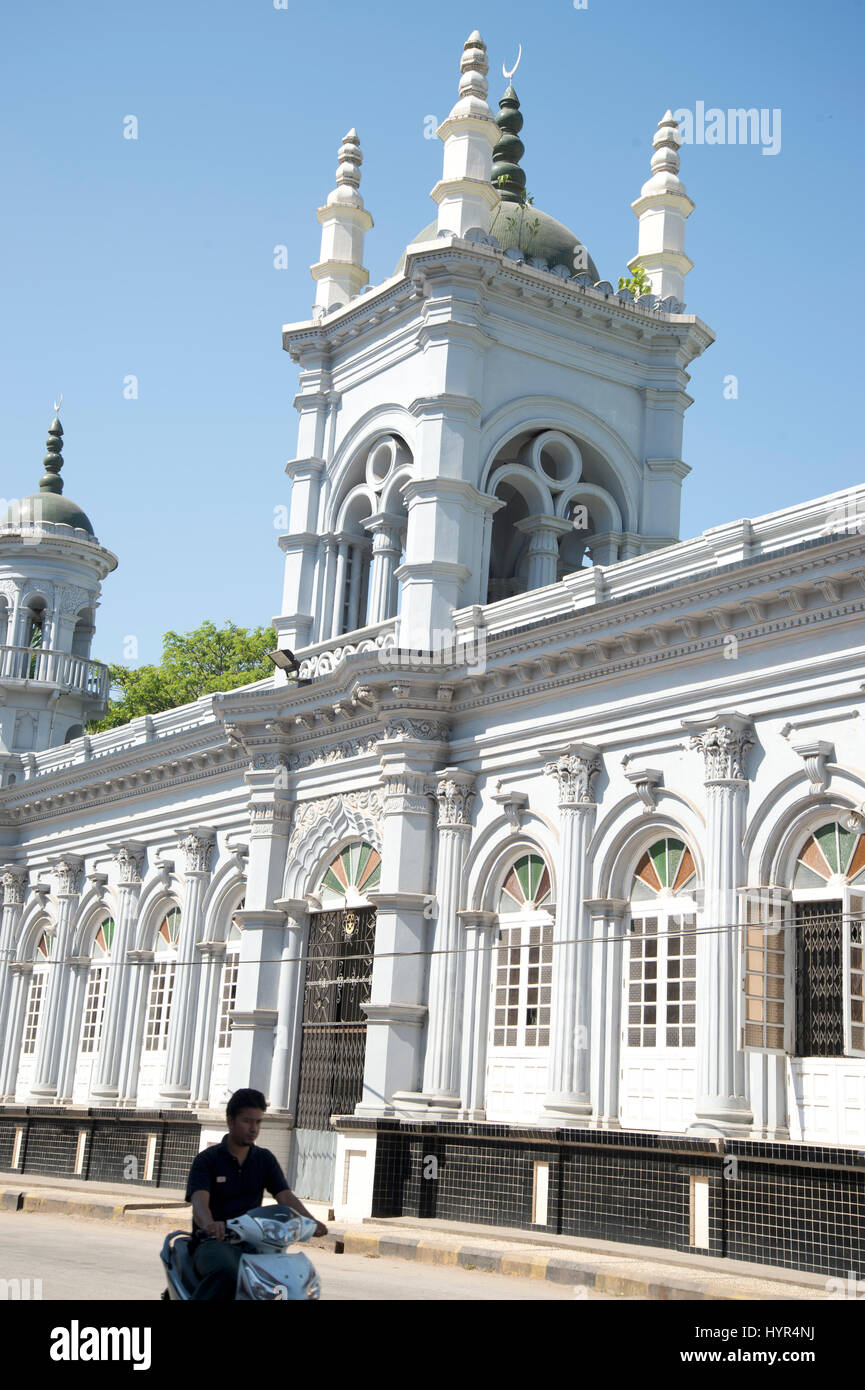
(366, 804)
(268, 818)
(333, 752)
(575, 769)
(407, 792)
(424, 730)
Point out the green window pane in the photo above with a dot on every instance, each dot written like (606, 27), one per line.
(848, 841)
(827, 839)
(658, 856)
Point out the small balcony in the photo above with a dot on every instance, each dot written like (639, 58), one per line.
(41, 666)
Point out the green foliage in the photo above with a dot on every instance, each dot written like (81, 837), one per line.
(193, 663)
(639, 283)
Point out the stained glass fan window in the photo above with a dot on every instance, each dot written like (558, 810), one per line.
(354, 872)
(666, 865)
(527, 885)
(830, 850)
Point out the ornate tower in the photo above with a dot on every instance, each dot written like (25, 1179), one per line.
(492, 418)
(51, 570)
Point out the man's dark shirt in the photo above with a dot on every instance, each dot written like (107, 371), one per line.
(234, 1188)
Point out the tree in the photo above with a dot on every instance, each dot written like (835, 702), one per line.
(193, 663)
(638, 284)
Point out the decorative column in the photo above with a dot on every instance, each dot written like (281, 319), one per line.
(385, 530)
(196, 846)
(569, 1096)
(722, 1103)
(355, 617)
(544, 533)
(328, 585)
(480, 930)
(607, 918)
(261, 925)
(441, 1078)
(343, 541)
(13, 885)
(129, 860)
(68, 873)
(289, 1006)
(18, 980)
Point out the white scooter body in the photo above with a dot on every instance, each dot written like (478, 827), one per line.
(265, 1272)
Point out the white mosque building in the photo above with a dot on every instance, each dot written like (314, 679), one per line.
(543, 850)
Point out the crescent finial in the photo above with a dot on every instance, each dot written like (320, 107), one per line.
(57, 404)
(510, 74)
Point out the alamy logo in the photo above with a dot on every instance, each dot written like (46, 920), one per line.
(76, 1343)
(737, 126)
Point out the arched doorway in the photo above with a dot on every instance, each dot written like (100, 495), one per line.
(519, 1040)
(659, 1036)
(827, 966)
(333, 1038)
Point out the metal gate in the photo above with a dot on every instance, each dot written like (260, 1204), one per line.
(333, 1040)
(819, 980)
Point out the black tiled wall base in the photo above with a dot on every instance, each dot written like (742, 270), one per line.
(114, 1137)
(793, 1205)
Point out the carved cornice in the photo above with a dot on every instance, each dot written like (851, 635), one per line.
(399, 727)
(333, 752)
(724, 742)
(575, 770)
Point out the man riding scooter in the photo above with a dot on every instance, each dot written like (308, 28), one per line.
(227, 1180)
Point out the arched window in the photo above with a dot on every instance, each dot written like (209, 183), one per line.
(354, 872)
(522, 974)
(659, 1033)
(228, 984)
(37, 992)
(97, 988)
(162, 982)
(828, 966)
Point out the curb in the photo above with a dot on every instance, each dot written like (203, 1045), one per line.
(554, 1268)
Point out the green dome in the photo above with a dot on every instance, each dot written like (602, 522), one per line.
(48, 504)
(531, 231)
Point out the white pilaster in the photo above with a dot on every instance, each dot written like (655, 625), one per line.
(129, 859)
(67, 872)
(569, 1099)
(722, 1103)
(196, 846)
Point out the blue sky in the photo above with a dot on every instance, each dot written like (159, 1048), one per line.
(154, 257)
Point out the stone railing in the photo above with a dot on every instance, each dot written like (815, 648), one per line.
(41, 664)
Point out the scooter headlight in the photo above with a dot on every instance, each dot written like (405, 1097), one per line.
(279, 1233)
(313, 1288)
(261, 1284)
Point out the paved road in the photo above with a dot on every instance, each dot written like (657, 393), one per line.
(91, 1260)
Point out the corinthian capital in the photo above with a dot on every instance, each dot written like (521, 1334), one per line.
(455, 791)
(129, 858)
(196, 846)
(13, 882)
(67, 874)
(724, 742)
(575, 769)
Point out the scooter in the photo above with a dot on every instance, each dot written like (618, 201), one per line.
(266, 1270)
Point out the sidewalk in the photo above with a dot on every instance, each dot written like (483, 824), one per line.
(644, 1272)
